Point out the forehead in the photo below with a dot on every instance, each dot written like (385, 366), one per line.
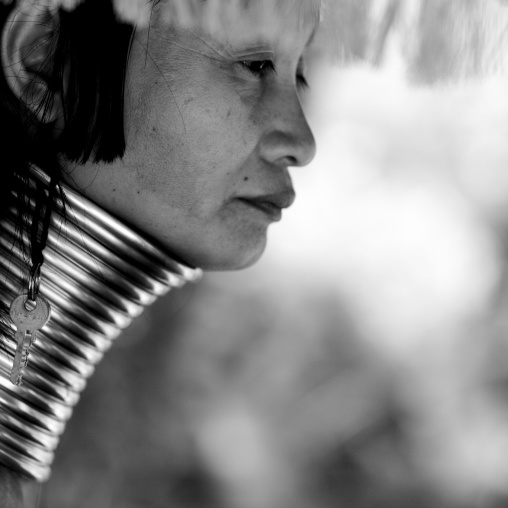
(243, 17)
(305, 12)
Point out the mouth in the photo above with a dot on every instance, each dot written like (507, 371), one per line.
(271, 205)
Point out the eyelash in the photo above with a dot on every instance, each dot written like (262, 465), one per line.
(262, 68)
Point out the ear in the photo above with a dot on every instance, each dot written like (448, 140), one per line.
(26, 53)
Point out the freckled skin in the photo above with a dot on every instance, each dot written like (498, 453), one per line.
(201, 131)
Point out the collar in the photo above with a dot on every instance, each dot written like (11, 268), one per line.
(98, 275)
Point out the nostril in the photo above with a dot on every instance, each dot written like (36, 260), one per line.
(292, 161)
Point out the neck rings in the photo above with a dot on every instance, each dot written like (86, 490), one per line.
(98, 275)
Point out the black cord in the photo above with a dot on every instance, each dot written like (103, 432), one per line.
(41, 219)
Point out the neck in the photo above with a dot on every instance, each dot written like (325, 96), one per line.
(98, 275)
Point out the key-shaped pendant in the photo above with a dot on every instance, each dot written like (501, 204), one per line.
(28, 316)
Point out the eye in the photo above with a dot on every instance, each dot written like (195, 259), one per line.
(259, 68)
(262, 68)
(301, 82)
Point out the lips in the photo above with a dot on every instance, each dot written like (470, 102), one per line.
(271, 204)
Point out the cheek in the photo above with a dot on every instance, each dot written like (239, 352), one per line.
(157, 147)
(188, 144)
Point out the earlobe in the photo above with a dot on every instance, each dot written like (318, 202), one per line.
(26, 52)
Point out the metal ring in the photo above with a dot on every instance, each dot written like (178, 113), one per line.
(105, 259)
(34, 282)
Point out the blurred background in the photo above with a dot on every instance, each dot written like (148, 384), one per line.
(364, 361)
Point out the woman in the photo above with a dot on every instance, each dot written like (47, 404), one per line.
(183, 130)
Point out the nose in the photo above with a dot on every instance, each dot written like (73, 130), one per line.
(288, 140)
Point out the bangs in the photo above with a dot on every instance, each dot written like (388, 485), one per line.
(191, 13)
(309, 11)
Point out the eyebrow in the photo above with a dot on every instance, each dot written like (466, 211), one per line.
(312, 35)
(307, 17)
(315, 8)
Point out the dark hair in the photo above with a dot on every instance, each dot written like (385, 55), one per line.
(90, 50)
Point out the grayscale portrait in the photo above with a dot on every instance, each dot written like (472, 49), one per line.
(178, 328)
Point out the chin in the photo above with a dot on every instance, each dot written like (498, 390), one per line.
(237, 257)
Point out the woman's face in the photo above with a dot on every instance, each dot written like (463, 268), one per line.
(212, 121)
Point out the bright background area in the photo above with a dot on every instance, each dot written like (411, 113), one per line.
(362, 363)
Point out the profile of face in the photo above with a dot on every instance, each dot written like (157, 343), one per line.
(213, 122)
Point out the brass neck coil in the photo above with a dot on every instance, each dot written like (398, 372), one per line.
(98, 275)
